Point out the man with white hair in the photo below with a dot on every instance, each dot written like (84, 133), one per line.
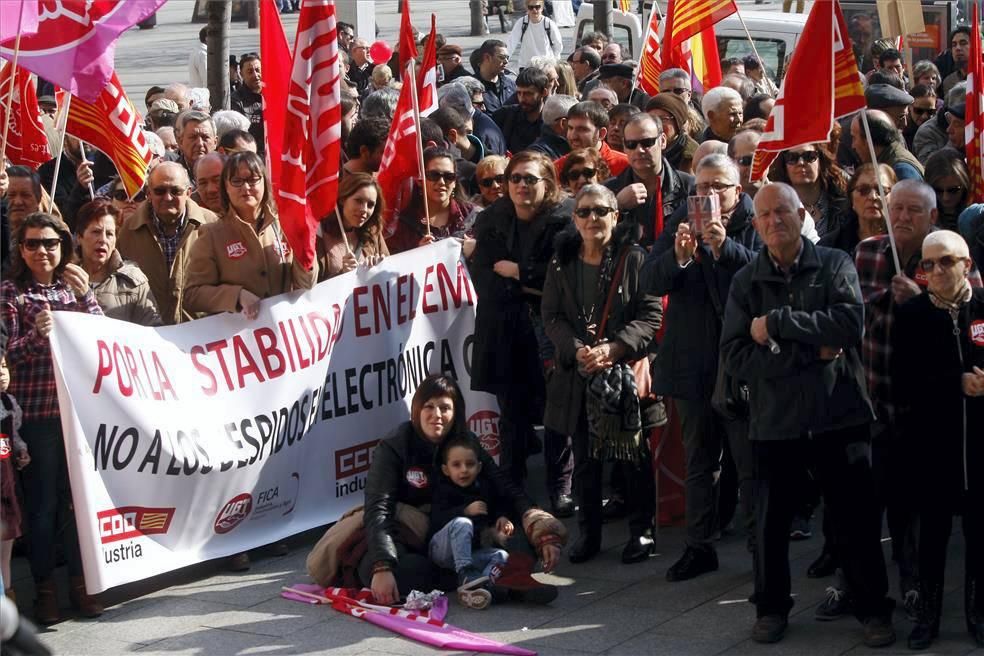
(798, 352)
(694, 263)
(552, 141)
(722, 108)
(227, 120)
(195, 133)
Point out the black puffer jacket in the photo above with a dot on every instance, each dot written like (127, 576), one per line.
(794, 392)
(504, 307)
(404, 470)
(634, 320)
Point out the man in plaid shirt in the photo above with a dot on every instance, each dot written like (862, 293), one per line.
(912, 213)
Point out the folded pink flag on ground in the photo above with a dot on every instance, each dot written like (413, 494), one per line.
(422, 626)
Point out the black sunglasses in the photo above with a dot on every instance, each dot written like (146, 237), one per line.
(958, 189)
(495, 179)
(51, 245)
(632, 144)
(530, 180)
(435, 176)
(808, 156)
(585, 173)
(601, 211)
(945, 262)
(680, 90)
(919, 111)
(746, 160)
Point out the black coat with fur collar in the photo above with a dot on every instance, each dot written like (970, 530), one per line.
(634, 319)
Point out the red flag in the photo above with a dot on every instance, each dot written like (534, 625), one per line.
(974, 110)
(312, 130)
(685, 18)
(650, 64)
(113, 125)
(848, 90)
(399, 164)
(27, 143)
(275, 55)
(407, 44)
(427, 77)
(76, 41)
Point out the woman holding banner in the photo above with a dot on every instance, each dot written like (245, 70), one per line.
(244, 257)
(403, 472)
(41, 279)
(354, 233)
(121, 288)
(445, 205)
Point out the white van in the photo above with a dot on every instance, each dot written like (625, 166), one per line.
(775, 34)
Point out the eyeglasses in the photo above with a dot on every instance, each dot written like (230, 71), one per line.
(600, 211)
(919, 111)
(534, 7)
(866, 189)
(585, 173)
(680, 90)
(945, 262)
(121, 195)
(495, 179)
(716, 187)
(746, 160)
(437, 176)
(806, 156)
(647, 143)
(953, 191)
(51, 245)
(239, 182)
(530, 180)
(164, 191)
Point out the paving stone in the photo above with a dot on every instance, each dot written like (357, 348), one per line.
(598, 627)
(155, 621)
(658, 644)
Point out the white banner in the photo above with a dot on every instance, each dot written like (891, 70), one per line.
(203, 440)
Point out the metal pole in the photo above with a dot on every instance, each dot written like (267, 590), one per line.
(10, 92)
(61, 145)
(603, 17)
(219, 18)
(420, 144)
(881, 191)
(751, 42)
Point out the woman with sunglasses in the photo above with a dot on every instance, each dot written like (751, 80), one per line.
(515, 237)
(360, 205)
(244, 257)
(592, 342)
(939, 392)
(947, 174)
(42, 279)
(819, 182)
(445, 203)
(124, 205)
(122, 290)
(491, 179)
(865, 216)
(581, 167)
(923, 108)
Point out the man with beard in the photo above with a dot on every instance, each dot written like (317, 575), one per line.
(521, 123)
(247, 99)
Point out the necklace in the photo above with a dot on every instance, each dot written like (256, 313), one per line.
(587, 313)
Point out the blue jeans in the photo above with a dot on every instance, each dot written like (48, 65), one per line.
(48, 499)
(452, 547)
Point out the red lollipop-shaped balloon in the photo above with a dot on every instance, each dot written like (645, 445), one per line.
(380, 52)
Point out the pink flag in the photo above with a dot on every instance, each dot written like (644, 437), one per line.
(14, 14)
(76, 41)
(275, 55)
(312, 131)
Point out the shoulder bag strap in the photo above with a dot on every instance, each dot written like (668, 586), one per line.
(616, 278)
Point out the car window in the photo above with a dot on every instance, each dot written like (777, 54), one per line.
(772, 52)
(864, 27)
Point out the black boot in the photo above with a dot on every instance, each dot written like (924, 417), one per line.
(927, 626)
(638, 549)
(585, 548)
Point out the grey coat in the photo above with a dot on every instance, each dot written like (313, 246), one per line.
(125, 294)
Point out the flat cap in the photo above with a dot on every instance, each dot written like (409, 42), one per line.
(616, 70)
(959, 110)
(165, 105)
(880, 96)
(449, 49)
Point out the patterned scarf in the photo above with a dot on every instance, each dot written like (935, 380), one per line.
(953, 305)
(614, 420)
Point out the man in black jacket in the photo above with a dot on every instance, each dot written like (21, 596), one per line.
(792, 331)
(521, 123)
(649, 180)
(695, 271)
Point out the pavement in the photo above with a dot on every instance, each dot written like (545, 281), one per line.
(604, 607)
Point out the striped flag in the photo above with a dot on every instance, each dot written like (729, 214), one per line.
(650, 64)
(974, 109)
(112, 125)
(821, 85)
(312, 132)
(625, 6)
(686, 18)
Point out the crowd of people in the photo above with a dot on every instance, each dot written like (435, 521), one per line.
(803, 367)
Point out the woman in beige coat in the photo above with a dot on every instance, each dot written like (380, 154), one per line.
(122, 290)
(360, 206)
(244, 257)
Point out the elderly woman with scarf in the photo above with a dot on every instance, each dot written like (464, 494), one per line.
(939, 388)
(600, 317)
(680, 146)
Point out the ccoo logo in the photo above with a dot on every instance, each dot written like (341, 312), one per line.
(233, 513)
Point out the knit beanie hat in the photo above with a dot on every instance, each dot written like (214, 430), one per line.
(672, 103)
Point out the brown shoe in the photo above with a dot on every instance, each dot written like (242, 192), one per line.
(46, 603)
(238, 563)
(81, 600)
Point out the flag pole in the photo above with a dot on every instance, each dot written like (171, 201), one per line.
(341, 229)
(61, 145)
(751, 42)
(420, 144)
(881, 191)
(92, 191)
(10, 93)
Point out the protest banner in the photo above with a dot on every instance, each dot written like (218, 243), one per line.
(201, 440)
